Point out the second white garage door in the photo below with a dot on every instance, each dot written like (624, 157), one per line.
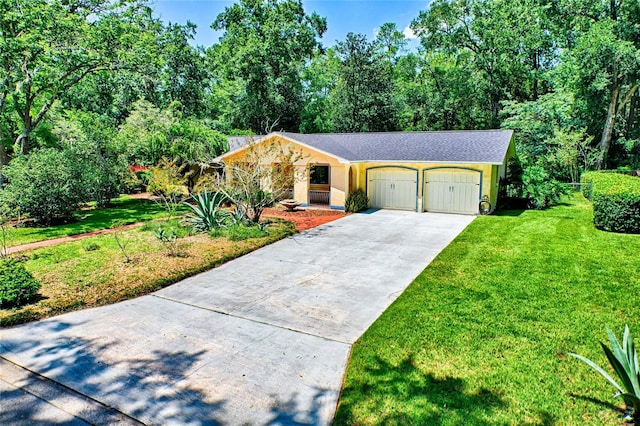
(393, 188)
(452, 192)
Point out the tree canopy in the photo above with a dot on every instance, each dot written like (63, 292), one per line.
(105, 81)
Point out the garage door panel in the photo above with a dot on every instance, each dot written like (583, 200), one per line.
(379, 192)
(437, 191)
(404, 194)
(452, 192)
(393, 189)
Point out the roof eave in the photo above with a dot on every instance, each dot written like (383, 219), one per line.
(311, 147)
(219, 158)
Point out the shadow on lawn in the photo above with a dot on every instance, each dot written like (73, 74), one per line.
(599, 402)
(151, 390)
(403, 394)
(508, 213)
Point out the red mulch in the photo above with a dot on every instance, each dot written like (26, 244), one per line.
(305, 219)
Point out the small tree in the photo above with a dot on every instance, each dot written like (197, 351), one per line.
(262, 175)
(169, 184)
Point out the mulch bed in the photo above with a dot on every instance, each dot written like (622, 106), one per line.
(305, 219)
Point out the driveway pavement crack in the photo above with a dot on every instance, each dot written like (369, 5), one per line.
(217, 311)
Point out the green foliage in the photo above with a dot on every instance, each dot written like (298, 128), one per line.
(169, 240)
(47, 185)
(363, 98)
(261, 53)
(90, 139)
(90, 246)
(539, 189)
(207, 212)
(548, 128)
(17, 285)
(624, 361)
(54, 44)
(168, 183)
(319, 80)
(185, 76)
(150, 135)
(531, 184)
(356, 201)
(616, 201)
(586, 183)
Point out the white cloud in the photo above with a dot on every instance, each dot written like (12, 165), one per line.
(408, 33)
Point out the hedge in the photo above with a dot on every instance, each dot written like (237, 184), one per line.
(616, 200)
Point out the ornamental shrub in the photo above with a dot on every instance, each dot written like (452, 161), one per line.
(539, 189)
(356, 201)
(616, 201)
(17, 285)
(586, 184)
(46, 185)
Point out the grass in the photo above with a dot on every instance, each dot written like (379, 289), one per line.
(94, 272)
(124, 210)
(479, 337)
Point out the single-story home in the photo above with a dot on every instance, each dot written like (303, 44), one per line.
(442, 171)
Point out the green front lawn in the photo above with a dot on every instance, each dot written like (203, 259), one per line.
(124, 210)
(478, 338)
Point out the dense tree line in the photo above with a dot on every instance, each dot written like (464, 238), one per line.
(109, 84)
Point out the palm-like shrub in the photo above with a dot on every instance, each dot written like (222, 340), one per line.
(207, 213)
(624, 360)
(356, 201)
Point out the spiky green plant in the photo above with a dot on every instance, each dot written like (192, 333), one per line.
(356, 201)
(207, 213)
(624, 360)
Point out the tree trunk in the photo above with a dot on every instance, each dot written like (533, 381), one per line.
(4, 159)
(607, 131)
(22, 141)
(632, 118)
(615, 105)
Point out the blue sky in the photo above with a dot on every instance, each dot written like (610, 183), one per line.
(342, 16)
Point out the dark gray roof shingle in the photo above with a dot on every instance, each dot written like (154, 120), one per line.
(465, 146)
(237, 142)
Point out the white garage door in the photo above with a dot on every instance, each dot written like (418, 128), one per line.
(391, 188)
(452, 192)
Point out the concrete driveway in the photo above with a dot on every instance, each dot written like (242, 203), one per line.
(261, 340)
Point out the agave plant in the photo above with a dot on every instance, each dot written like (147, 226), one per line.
(206, 212)
(624, 360)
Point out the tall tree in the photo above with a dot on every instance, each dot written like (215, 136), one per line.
(49, 46)
(390, 40)
(363, 98)
(185, 77)
(507, 41)
(264, 47)
(319, 80)
(603, 62)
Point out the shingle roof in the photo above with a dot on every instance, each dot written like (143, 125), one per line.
(237, 142)
(468, 146)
